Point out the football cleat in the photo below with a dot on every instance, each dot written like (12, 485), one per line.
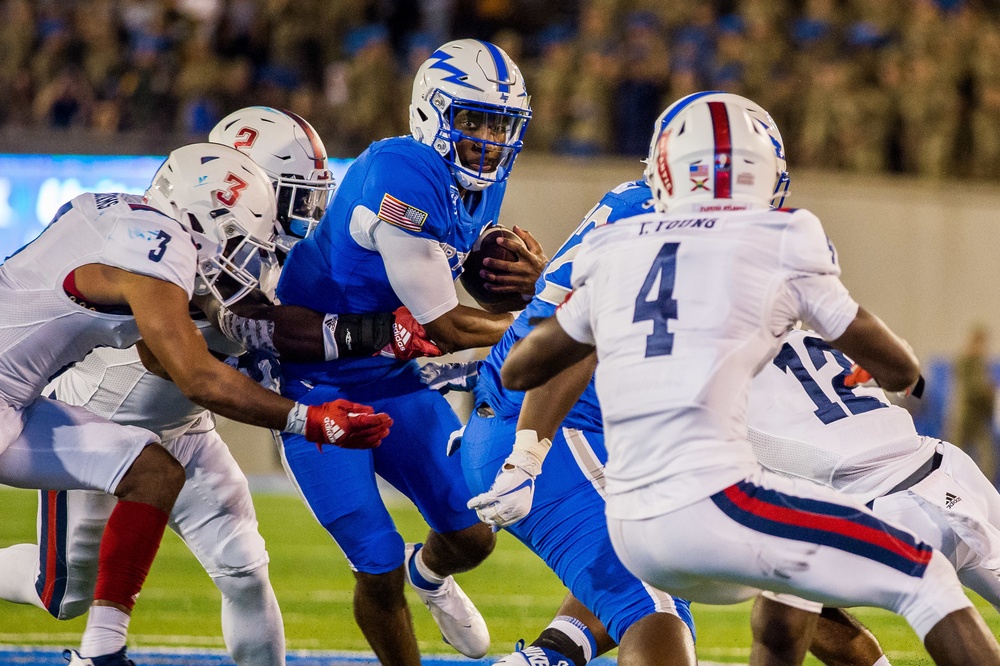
(533, 656)
(462, 625)
(113, 659)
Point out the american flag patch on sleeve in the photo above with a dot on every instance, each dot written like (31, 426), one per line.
(394, 211)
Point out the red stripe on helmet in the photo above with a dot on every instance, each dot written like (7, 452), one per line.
(662, 165)
(723, 150)
(319, 154)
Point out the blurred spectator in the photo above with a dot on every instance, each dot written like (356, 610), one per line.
(17, 39)
(373, 108)
(729, 72)
(929, 108)
(863, 85)
(974, 401)
(986, 113)
(871, 130)
(693, 43)
(197, 85)
(760, 62)
(827, 115)
(589, 111)
(550, 85)
(65, 102)
(645, 67)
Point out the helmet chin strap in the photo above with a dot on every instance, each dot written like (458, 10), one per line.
(465, 180)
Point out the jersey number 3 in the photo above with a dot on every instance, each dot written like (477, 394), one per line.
(664, 306)
(157, 253)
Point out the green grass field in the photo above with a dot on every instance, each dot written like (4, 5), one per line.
(513, 589)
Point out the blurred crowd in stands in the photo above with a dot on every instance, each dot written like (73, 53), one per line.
(861, 85)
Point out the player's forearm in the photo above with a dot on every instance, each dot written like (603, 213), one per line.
(540, 356)
(228, 393)
(302, 335)
(463, 327)
(886, 356)
(545, 407)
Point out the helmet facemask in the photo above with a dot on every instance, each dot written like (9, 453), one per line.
(301, 205)
(492, 137)
(233, 265)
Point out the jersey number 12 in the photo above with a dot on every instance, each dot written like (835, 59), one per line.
(827, 411)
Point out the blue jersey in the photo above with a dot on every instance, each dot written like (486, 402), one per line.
(626, 200)
(398, 181)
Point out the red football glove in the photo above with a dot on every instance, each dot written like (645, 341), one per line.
(409, 339)
(858, 377)
(346, 424)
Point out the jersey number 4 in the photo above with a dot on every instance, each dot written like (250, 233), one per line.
(664, 306)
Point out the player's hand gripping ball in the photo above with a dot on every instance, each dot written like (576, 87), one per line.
(486, 246)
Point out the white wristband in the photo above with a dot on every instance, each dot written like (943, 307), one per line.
(330, 350)
(528, 443)
(296, 423)
(251, 333)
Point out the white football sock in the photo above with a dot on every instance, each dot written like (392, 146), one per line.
(18, 570)
(884, 661)
(251, 619)
(107, 629)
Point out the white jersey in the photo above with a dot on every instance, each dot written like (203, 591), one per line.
(43, 329)
(805, 423)
(114, 384)
(684, 309)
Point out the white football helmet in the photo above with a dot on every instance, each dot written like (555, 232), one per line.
(292, 154)
(227, 204)
(702, 173)
(470, 90)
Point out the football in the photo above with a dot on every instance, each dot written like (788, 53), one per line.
(486, 246)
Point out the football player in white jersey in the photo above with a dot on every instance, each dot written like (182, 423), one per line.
(119, 270)
(683, 307)
(214, 513)
(808, 420)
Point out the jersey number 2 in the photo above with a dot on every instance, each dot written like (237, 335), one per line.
(664, 306)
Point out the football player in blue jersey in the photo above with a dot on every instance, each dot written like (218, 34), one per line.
(400, 225)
